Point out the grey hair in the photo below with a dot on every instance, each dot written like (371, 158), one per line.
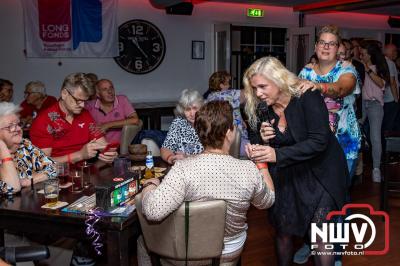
(7, 108)
(77, 80)
(36, 86)
(188, 98)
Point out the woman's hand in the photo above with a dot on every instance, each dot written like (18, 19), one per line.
(108, 156)
(261, 153)
(267, 132)
(305, 85)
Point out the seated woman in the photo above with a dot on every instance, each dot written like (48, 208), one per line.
(213, 174)
(22, 163)
(220, 90)
(182, 139)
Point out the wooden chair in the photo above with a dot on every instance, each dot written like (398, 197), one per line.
(205, 232)
(391, 169)
(152, 146)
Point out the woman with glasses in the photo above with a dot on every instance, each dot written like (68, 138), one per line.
(36, 99)
(338, 84)
(22, 164)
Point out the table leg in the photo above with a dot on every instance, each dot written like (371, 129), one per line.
(117, 248)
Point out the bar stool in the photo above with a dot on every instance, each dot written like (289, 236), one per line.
(391, 170)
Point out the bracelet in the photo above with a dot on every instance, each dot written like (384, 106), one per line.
(7, 159)
(262, 166)
(69, 159)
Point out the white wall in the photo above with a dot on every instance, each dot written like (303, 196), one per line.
(177, 72)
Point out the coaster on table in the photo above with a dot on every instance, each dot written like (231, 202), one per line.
(40, 191)
(59, 204)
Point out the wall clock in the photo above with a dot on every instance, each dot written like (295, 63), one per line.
(141, 46)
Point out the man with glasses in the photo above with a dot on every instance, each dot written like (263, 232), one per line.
(6, 90)
(66, 130)
(111, 112)
(36, 100)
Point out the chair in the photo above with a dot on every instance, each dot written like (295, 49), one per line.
(128, 134)
(27, 253)
(205, 238)
(152, 146)
(234, 151)
(391, 169)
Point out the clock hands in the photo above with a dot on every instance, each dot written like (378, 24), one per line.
(136, 43)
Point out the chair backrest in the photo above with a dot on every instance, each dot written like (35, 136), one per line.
(206, 231)
(392, 144)
(129, 132)
(234, 151)
(152, 146)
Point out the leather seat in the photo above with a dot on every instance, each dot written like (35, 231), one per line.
(129, 132)
(206, 232)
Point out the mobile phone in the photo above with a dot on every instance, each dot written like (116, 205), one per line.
(110, 146)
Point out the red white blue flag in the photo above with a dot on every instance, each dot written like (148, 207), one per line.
(71, 28)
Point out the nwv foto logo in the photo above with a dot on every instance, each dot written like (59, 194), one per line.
(339, 233)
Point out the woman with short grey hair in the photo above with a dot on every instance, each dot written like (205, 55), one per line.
(22, 164)
(182, 139)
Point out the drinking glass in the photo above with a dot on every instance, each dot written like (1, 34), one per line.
(51, 189)
(121, 165)
(77, 181)
(62, 170)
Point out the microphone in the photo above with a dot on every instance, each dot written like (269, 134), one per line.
(265, 116)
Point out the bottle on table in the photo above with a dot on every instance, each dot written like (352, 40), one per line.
(149, 170)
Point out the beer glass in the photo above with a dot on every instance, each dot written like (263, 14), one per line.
(62, 172)
(51, 189)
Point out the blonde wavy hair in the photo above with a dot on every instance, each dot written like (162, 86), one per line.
(273, 70)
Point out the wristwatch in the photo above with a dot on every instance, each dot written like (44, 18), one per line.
(369, 71)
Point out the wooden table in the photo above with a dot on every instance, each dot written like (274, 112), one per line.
(24, 214)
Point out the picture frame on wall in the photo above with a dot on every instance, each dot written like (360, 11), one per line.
(198, 50)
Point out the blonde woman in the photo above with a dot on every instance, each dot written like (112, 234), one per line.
(307, 164)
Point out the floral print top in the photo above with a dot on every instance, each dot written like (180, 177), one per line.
(233, 97)
(342, 118)
(30, 159)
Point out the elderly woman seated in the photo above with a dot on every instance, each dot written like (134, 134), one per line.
(22, 164)
(213, 174)
(182, 139)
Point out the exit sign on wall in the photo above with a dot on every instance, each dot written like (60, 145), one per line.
(255, 12)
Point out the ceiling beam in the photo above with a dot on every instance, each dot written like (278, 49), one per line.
(342, 5)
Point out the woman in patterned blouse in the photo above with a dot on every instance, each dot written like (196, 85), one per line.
(20, 159)
(182, 139)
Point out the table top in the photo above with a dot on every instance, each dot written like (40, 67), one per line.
(28, 202)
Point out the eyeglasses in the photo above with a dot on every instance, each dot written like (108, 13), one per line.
(322, 43)
(13, 126)
(77, 101)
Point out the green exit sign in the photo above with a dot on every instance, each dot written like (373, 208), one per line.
(255, 12)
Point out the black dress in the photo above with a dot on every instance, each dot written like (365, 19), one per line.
(299, 197)
(310, 170)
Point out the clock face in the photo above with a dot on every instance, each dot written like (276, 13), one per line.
(141, 46)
